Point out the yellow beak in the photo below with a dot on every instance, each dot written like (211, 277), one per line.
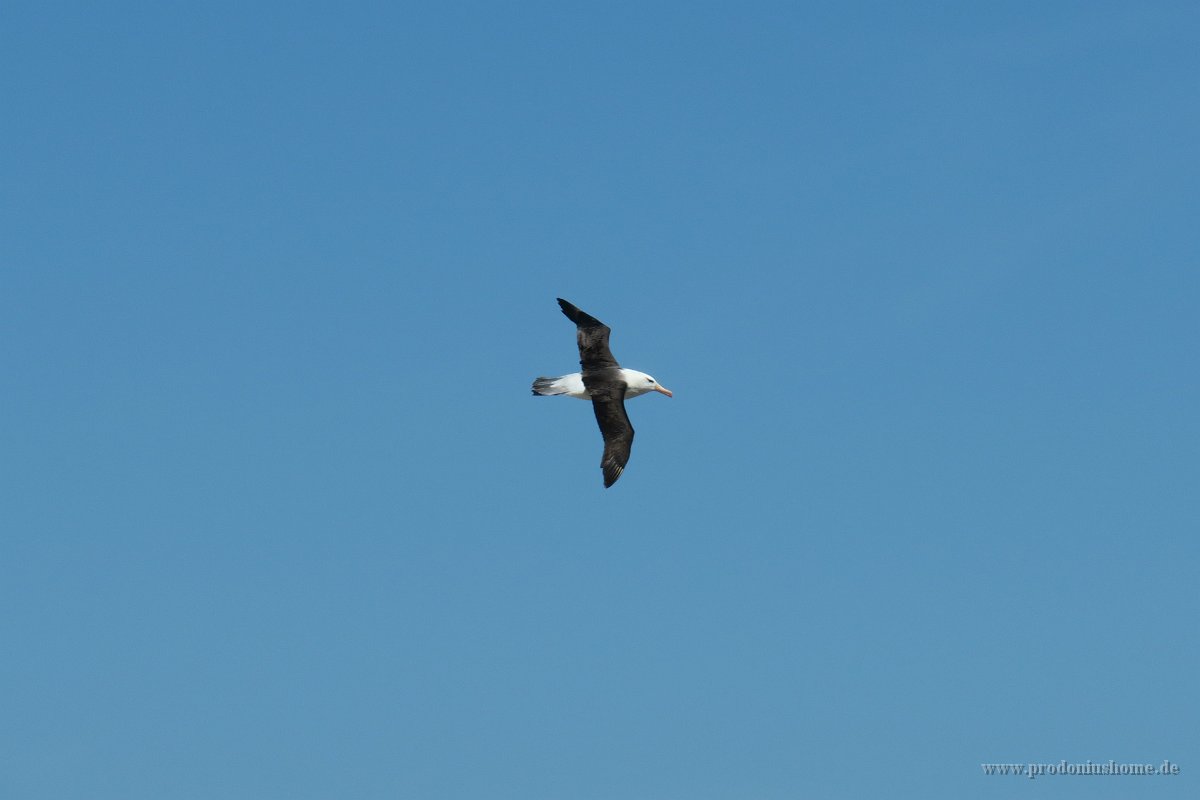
(663, 389)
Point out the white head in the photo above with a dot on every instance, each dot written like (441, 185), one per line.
(640, 383)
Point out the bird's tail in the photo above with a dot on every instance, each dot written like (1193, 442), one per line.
(546, 387)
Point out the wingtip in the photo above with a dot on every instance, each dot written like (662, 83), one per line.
(570, 311)
(611, 475)
(577, 315)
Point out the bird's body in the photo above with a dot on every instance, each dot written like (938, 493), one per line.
(606, 384)
(572, 385)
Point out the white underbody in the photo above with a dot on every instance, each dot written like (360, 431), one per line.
(572, 385)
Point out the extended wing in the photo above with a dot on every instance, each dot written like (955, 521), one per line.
(609, 404)
(593, 339)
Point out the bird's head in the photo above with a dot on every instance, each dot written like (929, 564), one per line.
(648, 384)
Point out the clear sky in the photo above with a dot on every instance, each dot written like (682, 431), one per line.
(282, 520)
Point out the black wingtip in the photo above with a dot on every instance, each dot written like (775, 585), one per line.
(581, 318)
(611, 473)
(571, 310)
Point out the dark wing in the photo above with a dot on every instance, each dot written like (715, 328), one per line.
(593, 339)
(602, 377)
(609, 404)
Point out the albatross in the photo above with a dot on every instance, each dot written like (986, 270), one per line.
(606, 383)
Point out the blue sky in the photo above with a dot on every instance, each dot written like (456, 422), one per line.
(281, 519)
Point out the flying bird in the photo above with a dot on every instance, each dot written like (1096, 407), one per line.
(606, 384)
